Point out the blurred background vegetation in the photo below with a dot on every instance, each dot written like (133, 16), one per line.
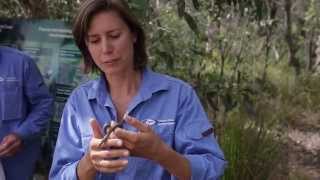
(254, 64)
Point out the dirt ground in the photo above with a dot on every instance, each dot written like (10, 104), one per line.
(304, 147)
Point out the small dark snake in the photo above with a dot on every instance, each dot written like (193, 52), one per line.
(109, 132)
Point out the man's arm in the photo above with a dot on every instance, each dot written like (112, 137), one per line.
(39, 100)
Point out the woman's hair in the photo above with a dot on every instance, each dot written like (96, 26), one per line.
(87, 10)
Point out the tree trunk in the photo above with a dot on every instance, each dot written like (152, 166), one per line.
(293, 60)
(35, 8)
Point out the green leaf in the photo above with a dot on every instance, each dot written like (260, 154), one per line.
(139, 6)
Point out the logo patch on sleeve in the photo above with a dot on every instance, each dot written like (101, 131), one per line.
(207, 132)
(159, 122)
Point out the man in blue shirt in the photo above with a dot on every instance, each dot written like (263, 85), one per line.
(25, 108)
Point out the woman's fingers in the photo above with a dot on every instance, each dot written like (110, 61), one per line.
(128, 145)
(110, 166)
(132, 136)
(95, 128)
(110, 160)
(137, 124)
(143, 143)
(116, 143)
(127, 135)
(110, 154)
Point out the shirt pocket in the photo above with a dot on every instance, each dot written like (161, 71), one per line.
(11, 99)
(198, 130)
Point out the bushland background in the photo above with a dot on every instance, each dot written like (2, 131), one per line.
(254, 64)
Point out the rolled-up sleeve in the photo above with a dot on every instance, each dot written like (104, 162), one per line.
(39, 102)
(68, 149)
(195, 140)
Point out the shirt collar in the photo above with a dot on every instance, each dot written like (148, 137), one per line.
(151, 83)
(99, 91)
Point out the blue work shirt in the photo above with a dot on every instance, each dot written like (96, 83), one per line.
(25, 108)
(170, 106)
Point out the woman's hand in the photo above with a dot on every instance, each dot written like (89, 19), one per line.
(108, 158)
(144, 143)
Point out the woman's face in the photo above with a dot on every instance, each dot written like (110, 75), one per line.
(110, 43)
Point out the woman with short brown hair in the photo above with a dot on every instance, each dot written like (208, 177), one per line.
(154, 126)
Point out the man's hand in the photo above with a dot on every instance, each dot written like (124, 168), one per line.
(10, 145)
